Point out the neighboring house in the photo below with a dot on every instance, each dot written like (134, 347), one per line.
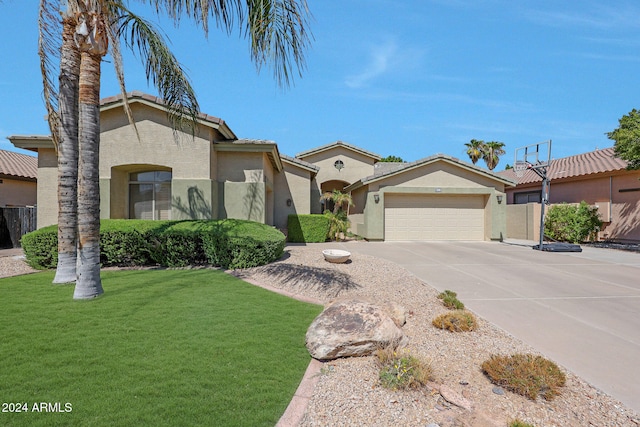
(599, 178)
(217, 175)
(18, 173)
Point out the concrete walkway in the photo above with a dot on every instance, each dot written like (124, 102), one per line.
(581, 310)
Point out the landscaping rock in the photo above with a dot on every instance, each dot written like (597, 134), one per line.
(352, 328)
(397, 313)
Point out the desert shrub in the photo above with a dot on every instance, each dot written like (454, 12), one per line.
(450, 300)
(224, 243)
(456, 321)
(401, 370)
(41, 247)
(307, 228)
(338, 224)
(518, 423)
(572, 223)
(525, 374)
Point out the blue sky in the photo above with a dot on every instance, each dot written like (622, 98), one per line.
(410, 78)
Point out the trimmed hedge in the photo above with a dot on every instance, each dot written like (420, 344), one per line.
(226, 243)
(312, 228)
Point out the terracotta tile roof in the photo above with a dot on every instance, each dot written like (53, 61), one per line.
(593, 162)
(18, 165)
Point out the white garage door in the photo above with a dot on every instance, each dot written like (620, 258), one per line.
(433, 217)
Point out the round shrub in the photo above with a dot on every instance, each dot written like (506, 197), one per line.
(525, 374)
(456, 321)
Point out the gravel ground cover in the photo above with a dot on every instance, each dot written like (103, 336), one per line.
(348, 391)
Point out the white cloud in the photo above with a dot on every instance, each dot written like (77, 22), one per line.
(379, 63)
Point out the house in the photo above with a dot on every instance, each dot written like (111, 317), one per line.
(598, 177)
(18, 173)
(215, 174)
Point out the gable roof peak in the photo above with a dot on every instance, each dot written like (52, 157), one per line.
(339, 143)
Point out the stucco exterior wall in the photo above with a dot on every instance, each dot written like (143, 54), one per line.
(47, 187)
(356, 165)
(187, 158)
(18, 193)
(439, 174)
(291, 184)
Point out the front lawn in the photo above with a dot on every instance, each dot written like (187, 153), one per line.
(161, 347)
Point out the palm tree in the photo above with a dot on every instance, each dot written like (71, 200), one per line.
(278, 35)
(492, 152)
(475, 149)
(64, 124)
(338, 198)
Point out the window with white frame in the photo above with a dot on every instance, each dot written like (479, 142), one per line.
(150, 195)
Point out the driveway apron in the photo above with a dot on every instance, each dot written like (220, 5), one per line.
(581, 310)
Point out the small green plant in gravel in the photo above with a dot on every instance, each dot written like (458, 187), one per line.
(456, 321)
(525, 374)
(518, 423)
(401, 370)
(450, 300)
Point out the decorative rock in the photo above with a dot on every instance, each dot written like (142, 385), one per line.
(455, 398)
(498, 390)
(397, 313)
(351, 328)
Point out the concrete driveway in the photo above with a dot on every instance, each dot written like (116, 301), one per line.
(581, 310)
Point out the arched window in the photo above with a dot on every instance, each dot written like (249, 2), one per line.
(150, 195)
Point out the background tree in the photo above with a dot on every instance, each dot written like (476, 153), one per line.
(475, 149)
(627, 139)
(278, 37)
(392, 159)
(492, 152)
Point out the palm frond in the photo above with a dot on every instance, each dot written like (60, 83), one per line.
(162, 68)
(116, 54)
(49, 44)
(225, 12)
(278, 34)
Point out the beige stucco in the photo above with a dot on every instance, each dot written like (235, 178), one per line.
(47, 187)
(292, 194)
(17, 193)
(432, 179)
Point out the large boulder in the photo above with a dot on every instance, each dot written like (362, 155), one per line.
(352, 328)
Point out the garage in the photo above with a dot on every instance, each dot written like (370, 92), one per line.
(434, 217)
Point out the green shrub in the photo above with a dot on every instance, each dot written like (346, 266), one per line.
(41, 247)
(450, 300)
(242, 244)
(525, 374)
(518, 423)
(308, 228)
(224, 243)
(572, 223)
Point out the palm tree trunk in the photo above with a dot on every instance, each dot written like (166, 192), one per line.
(88, 282)
(68, 156)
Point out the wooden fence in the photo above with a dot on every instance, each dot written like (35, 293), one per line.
(14, 223)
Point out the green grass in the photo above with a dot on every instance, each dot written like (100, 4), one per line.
(165, 347)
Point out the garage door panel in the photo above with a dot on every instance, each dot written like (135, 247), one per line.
(428, 217)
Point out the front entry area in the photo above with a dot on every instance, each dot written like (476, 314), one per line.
(434, 217)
